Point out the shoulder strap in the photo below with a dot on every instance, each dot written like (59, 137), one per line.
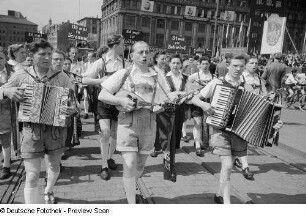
(35, 78)
(184, 81)
(103, 71)
(54, 75)
(170, 83)
(123, 62)
(125, 76)
(242, 83)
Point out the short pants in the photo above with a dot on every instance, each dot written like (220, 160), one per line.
(226, 144)
(136, 131)
(106, 111)
(5, 140)
(196, 111)
(38, 140)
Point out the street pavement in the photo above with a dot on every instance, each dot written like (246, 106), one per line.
(280, 173)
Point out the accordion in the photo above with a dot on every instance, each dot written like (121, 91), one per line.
(41, 104)
(245, 114)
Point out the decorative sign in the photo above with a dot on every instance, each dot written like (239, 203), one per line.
(32, 37)
(177, 44)
(131, 36)
(77, 32)
(190, 11)
(147, 5)
(273, 35)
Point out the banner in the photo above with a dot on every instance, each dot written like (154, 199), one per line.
(177, 44)
(131, 36)
(147, 5)
(190, 11)
(33, 36)
(273, 35)
(77, 32)
(229, 15)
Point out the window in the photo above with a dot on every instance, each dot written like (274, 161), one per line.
(160, 23)
(130, 21)
(173, 10)
(259, 2)
(278, 4)
(146, 37)
(179, 10)
(164, 9)
(269, 3)
(158, 8)
(175, 25)
(201, 28)
(134, 5)
(188, 41)
(188, 26)
(146, 21)
(159, 40)
(126, 3)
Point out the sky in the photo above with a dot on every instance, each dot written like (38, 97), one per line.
(40, 11)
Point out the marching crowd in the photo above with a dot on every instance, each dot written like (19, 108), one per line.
(136, 103)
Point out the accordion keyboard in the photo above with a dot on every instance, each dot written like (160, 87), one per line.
(221, 102)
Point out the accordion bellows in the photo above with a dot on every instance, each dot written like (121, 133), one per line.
(42, 104)
(243, 113)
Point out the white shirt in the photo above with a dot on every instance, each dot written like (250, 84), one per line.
(291, 80)
(253, 80)
(301, 77)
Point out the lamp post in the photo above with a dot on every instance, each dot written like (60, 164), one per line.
(215, 29)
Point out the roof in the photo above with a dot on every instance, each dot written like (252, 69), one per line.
(90, 18)
(10, 19)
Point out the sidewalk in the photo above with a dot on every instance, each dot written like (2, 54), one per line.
(276, 179)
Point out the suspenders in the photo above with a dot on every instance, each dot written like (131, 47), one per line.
(171, 84)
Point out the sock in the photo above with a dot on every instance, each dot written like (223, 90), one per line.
(31, 195)
(244, 162)
(138, 173)
(86, 106)
(112, 147)
(130, 189)
(184, 133)
(52, 177)
(6, 157)
(104, 153)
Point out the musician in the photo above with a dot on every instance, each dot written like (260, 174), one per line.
(136, 128)
(226, 145)
(40, 140)
(107, 115)
(5, 122)
(197, 80)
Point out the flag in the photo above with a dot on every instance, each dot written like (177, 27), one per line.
(304, 38)
(233, 33)
(249, 29)
(240, 34)
(147, 5)
(227, 29)
(222, 33)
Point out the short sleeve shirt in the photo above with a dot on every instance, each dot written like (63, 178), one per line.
(138, 82)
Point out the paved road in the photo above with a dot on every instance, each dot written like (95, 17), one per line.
(279, 174)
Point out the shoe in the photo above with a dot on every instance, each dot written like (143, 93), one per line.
(86, 116)
(49, 198)
(199, 152)
(138, 199)
(5, 173)
(111, 164)
(247, 174)
(153, 154)
(185, 139)
(218, 199)
(237, 163)
(65, 156)
(105, 174)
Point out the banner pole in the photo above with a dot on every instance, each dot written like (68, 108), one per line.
(291, 40)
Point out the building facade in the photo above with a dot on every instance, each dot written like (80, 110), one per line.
(94, 30)
(294, 10)
(13, 28)
(195, 20)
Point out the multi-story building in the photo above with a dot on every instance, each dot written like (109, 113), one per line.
(65, 35)
(94, 30)
(195, 20)
(293, 10)
(13, 28)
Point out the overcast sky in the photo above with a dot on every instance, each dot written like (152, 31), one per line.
(40, 11)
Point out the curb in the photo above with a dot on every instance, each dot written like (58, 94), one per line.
(292, 150)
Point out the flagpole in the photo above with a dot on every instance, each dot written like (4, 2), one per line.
(291, 40)
(215, 29)
(248, 35)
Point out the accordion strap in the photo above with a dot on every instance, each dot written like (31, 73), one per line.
(38, 80)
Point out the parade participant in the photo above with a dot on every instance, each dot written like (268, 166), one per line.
(197, 80)
(226, 145)
(29, 61)
(5, 122)
(17, 55)
(273, 73)
(91, 57)
(40, 140)
(136, 128)
(254, 85)
(107, 114)
(221, 68)
(162, 119)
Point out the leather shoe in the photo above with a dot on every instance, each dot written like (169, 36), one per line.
(218, 199)
(105, 174)
(237, 163)
(199, 152)
(186, 139)
(86, 116)
(111, 164)
(153, 154)
(5, 173)
(248, 174)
